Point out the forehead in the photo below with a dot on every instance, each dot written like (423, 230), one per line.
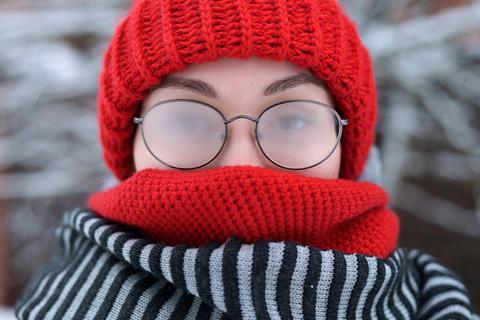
(227, 72)
(241, 67)
(244, 80)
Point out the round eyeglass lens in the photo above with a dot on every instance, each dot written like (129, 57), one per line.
(183, 134)
(298, 134)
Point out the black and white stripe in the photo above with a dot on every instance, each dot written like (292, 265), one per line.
(103, 270)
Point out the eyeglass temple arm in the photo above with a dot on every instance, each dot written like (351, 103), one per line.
(344, 122)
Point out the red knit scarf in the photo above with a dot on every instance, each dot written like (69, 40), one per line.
(195, 207)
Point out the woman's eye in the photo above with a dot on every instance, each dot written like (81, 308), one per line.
(187, 123)
(293, 122)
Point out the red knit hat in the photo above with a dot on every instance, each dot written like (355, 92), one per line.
(159, 37)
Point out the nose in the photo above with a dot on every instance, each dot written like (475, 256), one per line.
(240, 147)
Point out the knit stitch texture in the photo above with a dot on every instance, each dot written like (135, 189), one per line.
(253, 203)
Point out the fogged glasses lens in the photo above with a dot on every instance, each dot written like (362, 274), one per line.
(184, 134)
(298, 134)
(187, 134)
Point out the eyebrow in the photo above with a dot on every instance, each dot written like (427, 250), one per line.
(205, 89)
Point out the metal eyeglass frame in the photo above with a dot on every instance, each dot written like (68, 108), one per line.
(341, 123)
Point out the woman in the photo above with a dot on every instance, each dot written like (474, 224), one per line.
(240, 134)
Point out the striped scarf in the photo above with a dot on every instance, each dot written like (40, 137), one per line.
(106, 270)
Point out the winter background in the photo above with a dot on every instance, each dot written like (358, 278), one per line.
(427, 65)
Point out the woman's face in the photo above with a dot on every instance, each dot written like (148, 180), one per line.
(239, 86)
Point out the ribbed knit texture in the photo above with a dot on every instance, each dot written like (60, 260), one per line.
(253, 203)
(158, 37)
(103, 270)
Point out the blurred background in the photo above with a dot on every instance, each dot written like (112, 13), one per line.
(427, 65)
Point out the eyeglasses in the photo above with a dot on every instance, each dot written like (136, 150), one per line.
(188, 134)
